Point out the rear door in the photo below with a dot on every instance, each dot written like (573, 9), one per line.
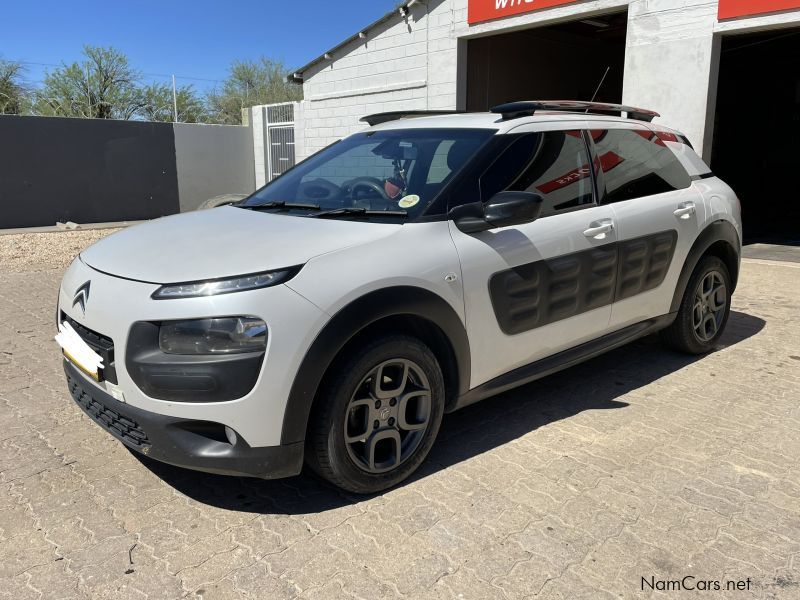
(535, 289)
(658, 211)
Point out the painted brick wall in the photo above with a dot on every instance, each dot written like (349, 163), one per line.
(403, 64)
(671, 60)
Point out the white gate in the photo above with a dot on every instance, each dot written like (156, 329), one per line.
(280, 137)
(274, 140)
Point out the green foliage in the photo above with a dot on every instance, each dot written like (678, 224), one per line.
(251, 83)
(157, 104)
(12, 92)
(104, 86)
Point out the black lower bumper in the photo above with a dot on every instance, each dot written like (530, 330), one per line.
(181, 442)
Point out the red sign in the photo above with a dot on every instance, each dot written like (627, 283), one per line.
(486, 10)
(741, 8)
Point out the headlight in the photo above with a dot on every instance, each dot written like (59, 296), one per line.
(215, 287)
(227, 335)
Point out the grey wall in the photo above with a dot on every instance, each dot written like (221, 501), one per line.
(84, 170)
(98, 170)
(212, 160)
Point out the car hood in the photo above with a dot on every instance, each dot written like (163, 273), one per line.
(223, 242)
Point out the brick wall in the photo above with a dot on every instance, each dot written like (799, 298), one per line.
(404, 64)
(671, 62)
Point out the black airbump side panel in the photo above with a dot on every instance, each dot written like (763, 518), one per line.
(644, 262)
(539, 293)
(546, 291)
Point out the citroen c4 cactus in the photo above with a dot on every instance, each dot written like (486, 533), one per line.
(428, 262)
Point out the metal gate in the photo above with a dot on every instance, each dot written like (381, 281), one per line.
(279, 125)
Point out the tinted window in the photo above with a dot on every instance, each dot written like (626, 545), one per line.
(636, 163)
(553, 164)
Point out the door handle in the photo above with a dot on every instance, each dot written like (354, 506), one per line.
(685, 210)
(599, 229)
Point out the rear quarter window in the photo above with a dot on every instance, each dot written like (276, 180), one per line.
(637, 163)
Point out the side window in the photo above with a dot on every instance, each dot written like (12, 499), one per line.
(553, 164)
(637, 163)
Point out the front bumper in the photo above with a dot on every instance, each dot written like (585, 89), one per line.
(181, 442)
(115, 307)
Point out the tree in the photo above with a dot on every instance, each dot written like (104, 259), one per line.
(103, 86)
(251, 83)
(157, 104)
(12, 92)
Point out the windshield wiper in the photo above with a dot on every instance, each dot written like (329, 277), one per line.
(281, 205)
(360, 211)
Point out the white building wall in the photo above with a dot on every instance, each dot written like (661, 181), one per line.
(671, 63)
(404, 64)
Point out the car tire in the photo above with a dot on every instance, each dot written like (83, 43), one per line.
(704, 309)
(377, 415)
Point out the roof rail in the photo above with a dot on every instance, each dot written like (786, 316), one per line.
(385, 117)
(514, 110)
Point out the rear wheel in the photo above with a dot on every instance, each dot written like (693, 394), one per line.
(704, 309)
(377, 416)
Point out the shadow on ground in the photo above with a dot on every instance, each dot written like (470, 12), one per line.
(594, 385)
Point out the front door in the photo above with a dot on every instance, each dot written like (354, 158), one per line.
(535, 289)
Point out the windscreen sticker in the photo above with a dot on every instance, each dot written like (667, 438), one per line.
(409, 201)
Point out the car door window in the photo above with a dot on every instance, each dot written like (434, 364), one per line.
(553, 164)
(637, 163)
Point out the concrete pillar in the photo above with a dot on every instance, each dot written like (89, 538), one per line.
(257, 117)
(671, 64)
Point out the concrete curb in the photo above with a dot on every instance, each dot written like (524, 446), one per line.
(80, 227)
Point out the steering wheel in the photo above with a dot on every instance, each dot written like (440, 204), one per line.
(318, 189)
(373, 184)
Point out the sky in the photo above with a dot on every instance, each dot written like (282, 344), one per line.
(194, 39)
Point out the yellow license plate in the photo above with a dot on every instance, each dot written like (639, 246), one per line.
(78, 352)
(93, 374)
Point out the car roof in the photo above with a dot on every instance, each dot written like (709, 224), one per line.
(487, 120)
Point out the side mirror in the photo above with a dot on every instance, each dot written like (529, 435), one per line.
(503, 210)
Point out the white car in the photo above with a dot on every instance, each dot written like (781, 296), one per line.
(426, 263)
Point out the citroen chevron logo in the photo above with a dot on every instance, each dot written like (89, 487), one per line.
(82, 296)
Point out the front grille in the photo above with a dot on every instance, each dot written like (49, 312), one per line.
(98, 342)
(118, 425)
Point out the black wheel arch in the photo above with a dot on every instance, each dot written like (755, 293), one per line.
(718, 239)
(400, 309)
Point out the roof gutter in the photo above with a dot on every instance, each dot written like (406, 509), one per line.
(403, 10)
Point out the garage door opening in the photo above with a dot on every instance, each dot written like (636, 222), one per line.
(567, 61)
(756, 145)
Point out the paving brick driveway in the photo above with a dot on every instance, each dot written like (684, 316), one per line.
(641, 463)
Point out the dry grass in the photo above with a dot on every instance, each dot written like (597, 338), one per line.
(44, 251)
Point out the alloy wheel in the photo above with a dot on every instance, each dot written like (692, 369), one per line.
(388, 415)
(710, 302)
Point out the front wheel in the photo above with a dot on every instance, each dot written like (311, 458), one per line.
(704, 309)
(377, 416)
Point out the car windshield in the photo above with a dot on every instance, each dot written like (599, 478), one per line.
(396, 171)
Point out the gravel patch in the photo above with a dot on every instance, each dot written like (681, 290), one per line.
(24, 252)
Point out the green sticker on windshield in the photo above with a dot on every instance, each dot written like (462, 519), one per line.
(409, 201)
